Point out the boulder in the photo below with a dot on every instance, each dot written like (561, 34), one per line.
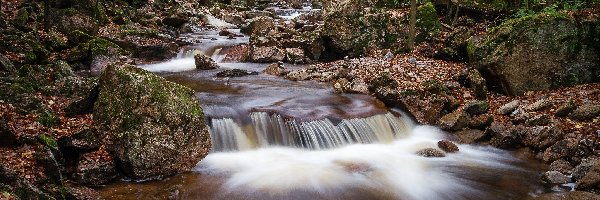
(481, 121)
(561, 149)
(539, 105)
(259, 26)
(235, 73)
(540, 52)
(503, 136)
(95, 169)
(478, 84)
(431, 152)
(454, 121)
(266, 54)
(541, 137)
(294, 55)
(554, 177)
(538, 120)
(476, 107)
(509, 107)
(580, 170)
(6, 133)
(152, 127)
(573, 195)
(275, 69)
(69, 21)
(586, 112)
(591, 179)
(204, 62)
(19, 185)
(469, 136)
(561, 166)
(447, 146)
(84, 140)
(566, 109)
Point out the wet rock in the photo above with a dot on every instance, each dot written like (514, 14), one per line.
(6, 133)
(539, 120)
(94, 171)
(294, 55)
(554, 177)
(235, 73)
(13, 182)
(561, 166)
(161, 51)
(151, 126)
(83, 140)
(447, 146)
(591, 179)
(561, 149)
(541, 137)
(503, 136)
(266, 54)
(573, 195)
(527, 54)
(431, 152)
(276, 69)
(454, 121)
(476, 107)
(586, 112)
(566, 109)
(478, 84)
(469, 136)
(539, 105)
(583, 167)
(481, 121)
(508, 107)
(204, 62)
(259, 26)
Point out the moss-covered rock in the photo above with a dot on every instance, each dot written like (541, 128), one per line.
(542, 51)
(153, 127)
(427, 20)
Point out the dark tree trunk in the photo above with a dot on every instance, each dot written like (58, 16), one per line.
(413, 24)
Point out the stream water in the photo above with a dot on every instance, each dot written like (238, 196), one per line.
(279, 139)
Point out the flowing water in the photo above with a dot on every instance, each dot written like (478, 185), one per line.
(279, 139)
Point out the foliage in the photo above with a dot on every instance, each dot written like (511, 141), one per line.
(427, 20)
(48, 141)
(48, 119)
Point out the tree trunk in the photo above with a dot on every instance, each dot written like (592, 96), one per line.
(413, 24)
(455, 15)
(47, 15)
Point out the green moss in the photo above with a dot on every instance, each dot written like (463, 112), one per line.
(435, 86)
(48, 141)
(427, 20)
(48, 119)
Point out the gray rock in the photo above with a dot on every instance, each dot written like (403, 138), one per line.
(431, 152)
(503, 136)
(539, 120)
(561, 166)
(586, 112)
(204, 62)
(591, 179)
(294, 55)
(481, 121)
(235, 73)
(509, 107)
(13, 182)
(454, 121)
(95, 172)
(469, 136)
(566, 109)
(80, 141)
(275, 69)
(539, 105)
(476, 107)
(554, 177)
(583, 167)
(541, 137)
(151, 126)
(560, 149)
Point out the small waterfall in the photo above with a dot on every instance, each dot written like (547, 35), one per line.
(267, 129)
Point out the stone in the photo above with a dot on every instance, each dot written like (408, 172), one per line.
(152, 127)
(561, 149)
(294, 55)
(520, 116)
(481, 121)
(174, 21)
(83, 105)
(561, 166)
(554, 177)
(541, 137)
(469, 136)
(84, 140)
(447, 146)
(49, 158)
(14, 183)
(566, 109)
(476, 107)
(275, 69)
(537, 53)
(573, 195)
(586, 112)
(591, 179)
(580, 170)
(266, 54)
(95, 172)
(431, 152)
(454, 121)
(234, 19)
(259, 26)
(539, 120)
(539, 105)
(235, 73)
(509, 107)
(6, 133)
(478, 84)
(503, 136)
(204, 62)
(6, 65)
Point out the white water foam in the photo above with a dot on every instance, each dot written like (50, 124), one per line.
(392, 168)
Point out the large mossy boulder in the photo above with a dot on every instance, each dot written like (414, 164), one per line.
(538, 52)
(151, 126)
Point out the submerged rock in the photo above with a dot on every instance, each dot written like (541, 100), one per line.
(447, 146)
(235, 73)
(151, 126)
